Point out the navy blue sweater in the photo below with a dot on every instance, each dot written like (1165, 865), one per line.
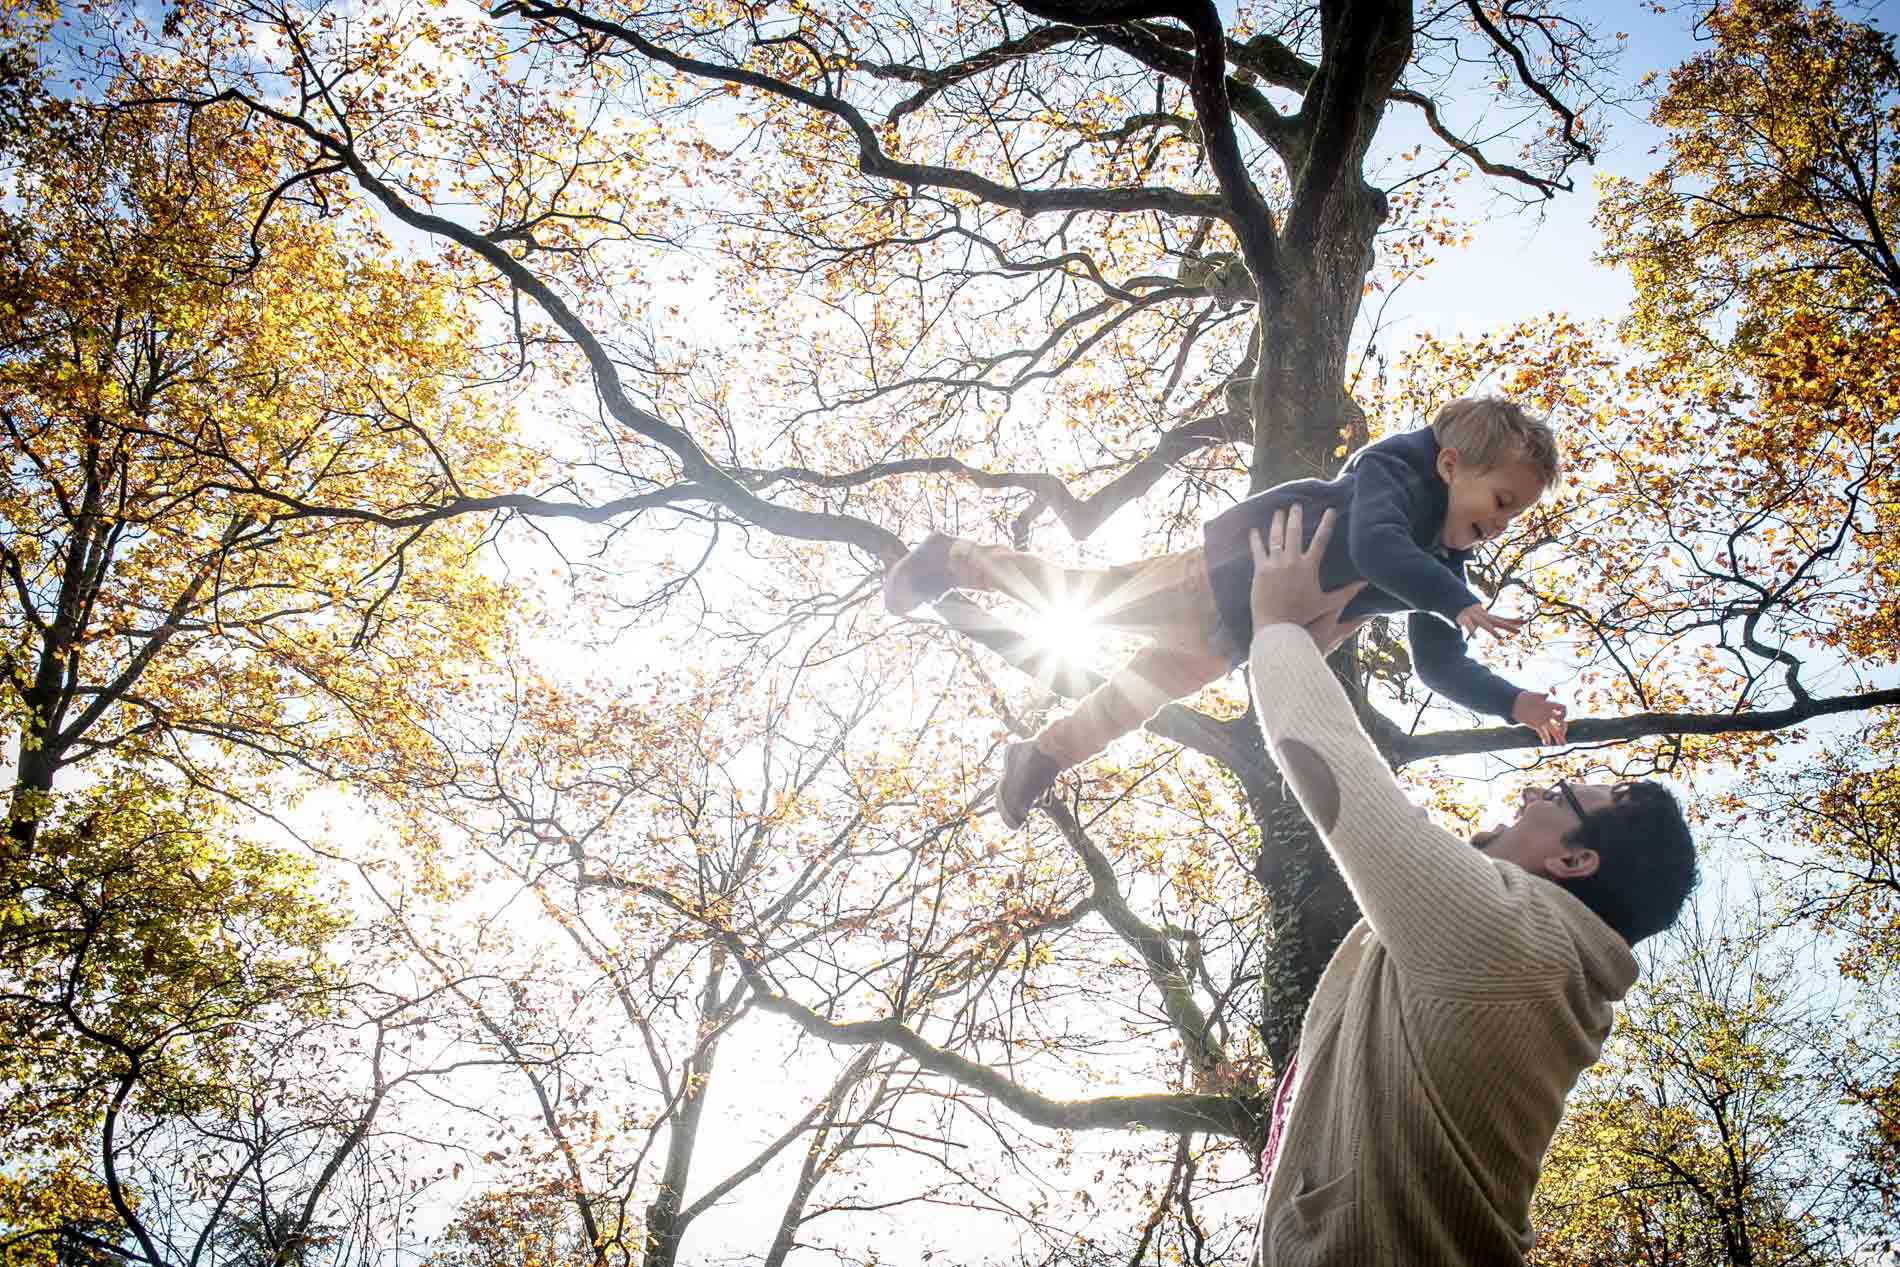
(1390, 505)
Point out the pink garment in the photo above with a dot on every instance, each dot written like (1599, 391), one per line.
(1282, 1102)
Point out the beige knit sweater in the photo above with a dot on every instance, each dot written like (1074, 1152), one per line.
(1448, 1028)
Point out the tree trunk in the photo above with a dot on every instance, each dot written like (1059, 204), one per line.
(1303, 419)
(665, 1224)
(819, 1156)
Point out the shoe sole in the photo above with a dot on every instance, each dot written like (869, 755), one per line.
(901, 597)
(1015, 821)
(1002, 811)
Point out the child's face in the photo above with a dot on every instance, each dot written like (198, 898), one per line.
(1484, 502)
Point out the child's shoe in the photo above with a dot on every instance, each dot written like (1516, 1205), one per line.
(922, 576)
(1028, 774)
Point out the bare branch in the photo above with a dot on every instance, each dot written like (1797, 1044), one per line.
(1040, 40)
(1164, 968)
(1529, 79)
(871, 156)
(1475, 156)
(1250, 217)
(1592, 730)
(1218, 1114)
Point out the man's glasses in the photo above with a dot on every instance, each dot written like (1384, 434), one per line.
(1563, 786)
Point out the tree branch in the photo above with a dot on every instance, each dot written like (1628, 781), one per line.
(1250, 216)
(1530, 81)
(785, 521)
(1081, 516)
(1170, 50)
(1157, 954)
(1404, 749)
(1472, 154)
(1218, 1114)
(872, 159)
(1040, 40)
(1367, 46)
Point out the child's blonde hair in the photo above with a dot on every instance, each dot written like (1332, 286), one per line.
(1489, 431)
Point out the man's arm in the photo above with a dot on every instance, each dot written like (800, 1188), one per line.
(1439, 655)
(1386, 501)
(1438, 905)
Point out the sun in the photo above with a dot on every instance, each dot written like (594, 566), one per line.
(1066, 629)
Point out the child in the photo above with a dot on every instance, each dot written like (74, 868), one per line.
(1410, 509)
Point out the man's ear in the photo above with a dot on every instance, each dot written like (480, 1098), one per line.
(1447, 464)
(1572, 864)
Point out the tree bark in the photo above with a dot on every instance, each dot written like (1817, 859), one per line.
(666, 1223)
(1304, 419)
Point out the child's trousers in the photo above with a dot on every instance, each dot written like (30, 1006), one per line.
(1168, 600)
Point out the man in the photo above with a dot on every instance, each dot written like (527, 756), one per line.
(1454, 1019)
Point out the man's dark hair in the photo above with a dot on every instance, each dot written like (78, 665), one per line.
(1646, 862)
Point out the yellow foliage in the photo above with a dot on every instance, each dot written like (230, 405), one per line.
(41, 1207)
(228, 421)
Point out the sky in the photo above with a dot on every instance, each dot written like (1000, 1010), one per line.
(1523, 263)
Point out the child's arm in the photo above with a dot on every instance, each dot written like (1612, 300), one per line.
(1443, 664)
(1439, 656)
(1387, 501)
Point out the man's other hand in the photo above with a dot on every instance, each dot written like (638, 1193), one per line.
(1330, 631)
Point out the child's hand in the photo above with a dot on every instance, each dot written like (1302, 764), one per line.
(1541, 713)
(1475, 617)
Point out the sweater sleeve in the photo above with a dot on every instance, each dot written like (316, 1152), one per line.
(1444, 665)
(1386, 502)
(1441, 907)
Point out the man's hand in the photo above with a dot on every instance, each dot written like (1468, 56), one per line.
(1475, 617)
(1329, 631)
(1286, 578)
(1542, 714)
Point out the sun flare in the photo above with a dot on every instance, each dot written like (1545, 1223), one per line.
(1067, 629)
